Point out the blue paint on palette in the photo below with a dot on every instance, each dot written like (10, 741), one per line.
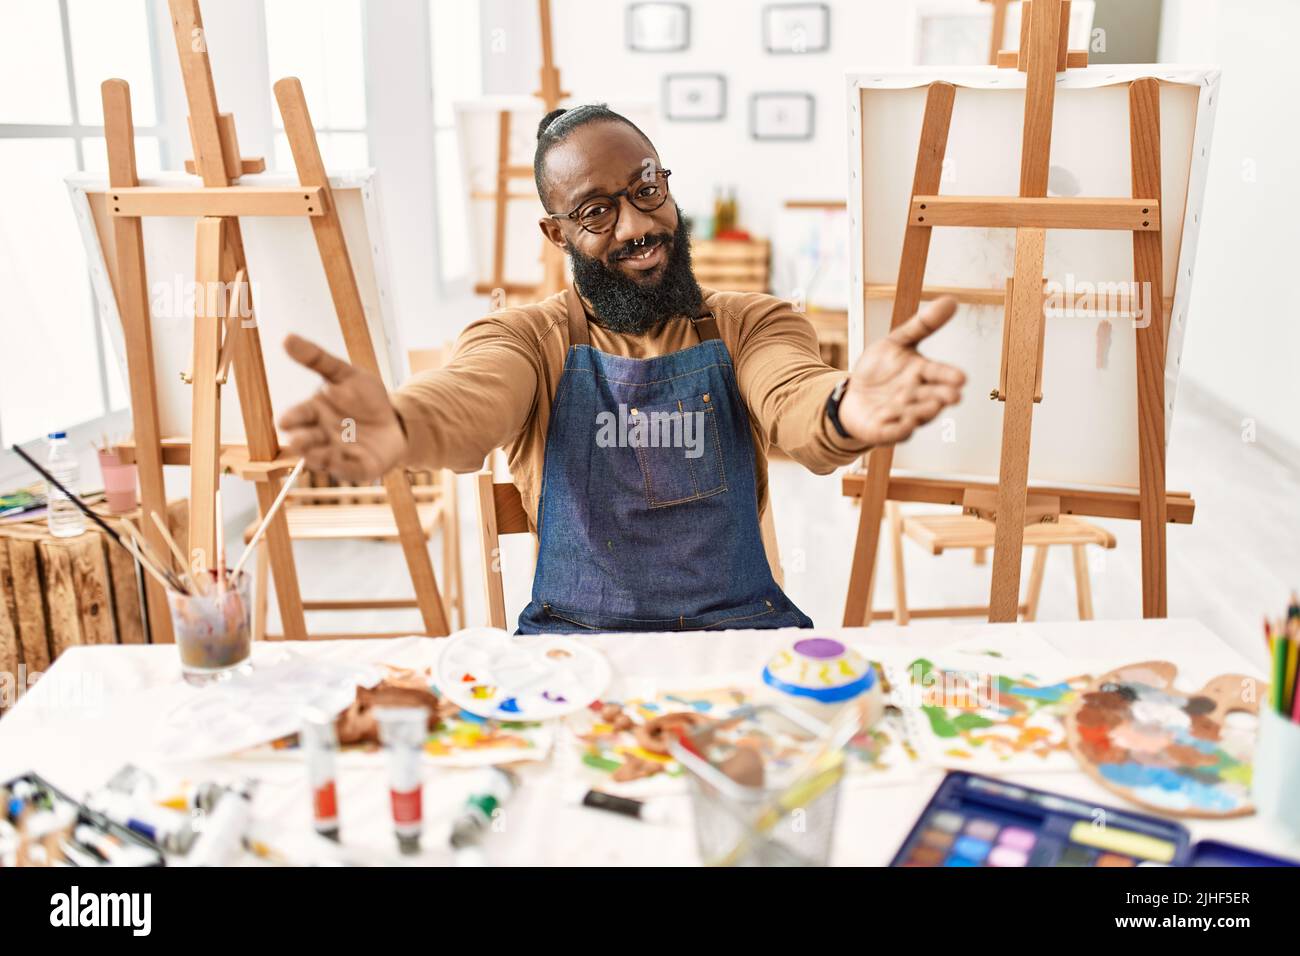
(509, 705)
(1165, 787)
(1051, 693)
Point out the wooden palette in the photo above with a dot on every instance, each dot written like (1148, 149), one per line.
(1163, 749)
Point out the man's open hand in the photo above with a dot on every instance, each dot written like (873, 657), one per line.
(348, 428)
(893, 389)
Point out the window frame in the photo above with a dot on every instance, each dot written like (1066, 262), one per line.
(78, 132)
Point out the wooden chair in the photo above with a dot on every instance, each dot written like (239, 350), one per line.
(321, 509)
(937, 533)
(501, 511)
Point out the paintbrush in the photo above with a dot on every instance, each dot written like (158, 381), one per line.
(176, 552)
(266, 519)
(160, 568)
(221, 546)
(75, 499)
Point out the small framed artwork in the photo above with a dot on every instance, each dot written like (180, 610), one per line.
(695, 96)
(658, 27)
(796, 28)
(781, 115)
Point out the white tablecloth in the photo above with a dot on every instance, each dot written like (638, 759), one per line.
(87, 717)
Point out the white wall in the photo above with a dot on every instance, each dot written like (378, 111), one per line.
(726, 37)
(1243, 337)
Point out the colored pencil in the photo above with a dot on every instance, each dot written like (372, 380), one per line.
(1288, 687)
(1279, 672)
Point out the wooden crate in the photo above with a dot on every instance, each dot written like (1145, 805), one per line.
(731, 265)
(59, 592)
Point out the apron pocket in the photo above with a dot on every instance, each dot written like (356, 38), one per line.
(678, 449)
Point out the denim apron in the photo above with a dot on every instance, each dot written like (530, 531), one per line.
(650, 526)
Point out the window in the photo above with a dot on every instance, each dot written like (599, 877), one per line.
(457, 76)
(56, 370)
(320, 42)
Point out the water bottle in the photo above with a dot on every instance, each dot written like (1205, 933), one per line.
(64, 518)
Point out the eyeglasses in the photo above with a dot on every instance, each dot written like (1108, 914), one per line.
(599, 214)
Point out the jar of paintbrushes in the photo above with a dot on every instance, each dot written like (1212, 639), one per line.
(213, 627)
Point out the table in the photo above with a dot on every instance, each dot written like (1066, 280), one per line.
(79, 724)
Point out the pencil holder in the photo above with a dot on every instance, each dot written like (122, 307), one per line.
(1276, 777)
(213, 630)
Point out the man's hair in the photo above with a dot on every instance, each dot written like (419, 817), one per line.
(555, 128)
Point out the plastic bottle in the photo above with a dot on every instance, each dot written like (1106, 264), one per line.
(63, 517)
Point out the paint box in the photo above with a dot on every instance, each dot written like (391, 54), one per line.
(974, 820)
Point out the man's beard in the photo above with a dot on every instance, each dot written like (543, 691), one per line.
(622, 304)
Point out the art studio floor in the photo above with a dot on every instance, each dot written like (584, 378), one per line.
(1222, 569)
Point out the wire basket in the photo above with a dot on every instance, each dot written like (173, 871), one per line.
(785, 824)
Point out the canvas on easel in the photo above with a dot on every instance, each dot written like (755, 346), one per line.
(218, 334)
(1088, 430)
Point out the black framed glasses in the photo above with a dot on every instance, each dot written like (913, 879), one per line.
(599, 214)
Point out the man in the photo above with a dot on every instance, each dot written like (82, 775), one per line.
(636, 407)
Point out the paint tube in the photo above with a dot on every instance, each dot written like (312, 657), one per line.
(648, 812)
(222, 833)
(495, 787)
(402, 731)
(320, 744)
(168, 829)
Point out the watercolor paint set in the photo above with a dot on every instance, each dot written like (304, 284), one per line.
(974, 820)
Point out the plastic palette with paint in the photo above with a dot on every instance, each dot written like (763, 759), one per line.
(494, 674)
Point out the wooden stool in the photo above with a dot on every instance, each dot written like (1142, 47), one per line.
(943, 532)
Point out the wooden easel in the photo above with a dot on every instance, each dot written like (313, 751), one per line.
(999, 28)
(550, 94)
(1043, 53)
(224, 338)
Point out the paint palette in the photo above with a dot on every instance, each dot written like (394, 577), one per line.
(493, 674)
(1163, 749)
(976, 821)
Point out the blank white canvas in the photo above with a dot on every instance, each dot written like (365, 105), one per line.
(1085, 429)
(289, 291)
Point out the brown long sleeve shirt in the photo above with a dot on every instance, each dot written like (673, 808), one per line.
(499, 386)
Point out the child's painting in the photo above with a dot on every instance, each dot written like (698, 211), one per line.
(1186, 754)
(624, 743)
(977, 718)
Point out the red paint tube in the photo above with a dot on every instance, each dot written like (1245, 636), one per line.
(320, 744)
(402, 731)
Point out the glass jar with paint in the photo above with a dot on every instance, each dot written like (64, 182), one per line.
(213, 629)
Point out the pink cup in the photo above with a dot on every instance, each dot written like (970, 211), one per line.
(119, 483)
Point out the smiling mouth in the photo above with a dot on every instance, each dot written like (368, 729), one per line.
(645, 259)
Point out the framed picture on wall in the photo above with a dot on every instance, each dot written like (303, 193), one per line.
(775, 116)
(658, 27)
(796, 28)
(695, 96)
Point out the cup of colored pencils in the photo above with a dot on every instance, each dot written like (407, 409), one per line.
(1276, 779)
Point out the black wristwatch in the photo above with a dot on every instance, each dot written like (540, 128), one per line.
(833, 407)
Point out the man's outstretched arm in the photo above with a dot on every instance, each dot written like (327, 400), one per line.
(444, 418)
(892, 389)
